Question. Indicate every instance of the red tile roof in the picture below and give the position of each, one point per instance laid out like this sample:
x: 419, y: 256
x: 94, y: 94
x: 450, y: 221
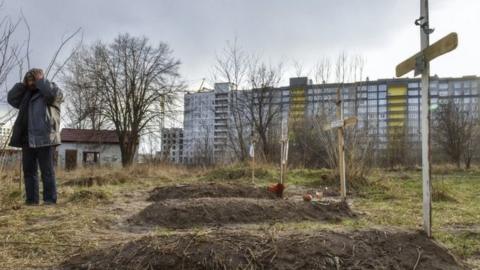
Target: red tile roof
x: 89, y: 136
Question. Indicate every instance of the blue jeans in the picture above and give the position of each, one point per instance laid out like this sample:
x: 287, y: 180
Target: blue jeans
x: 33, y: 158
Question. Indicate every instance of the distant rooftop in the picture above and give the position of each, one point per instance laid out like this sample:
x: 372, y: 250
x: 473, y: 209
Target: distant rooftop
x: 89, y: 136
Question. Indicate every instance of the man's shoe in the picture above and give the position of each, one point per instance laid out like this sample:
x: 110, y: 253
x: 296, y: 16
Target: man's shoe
x: 49, y: 203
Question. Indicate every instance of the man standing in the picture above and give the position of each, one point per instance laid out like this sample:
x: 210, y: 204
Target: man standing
x: 36, y: 131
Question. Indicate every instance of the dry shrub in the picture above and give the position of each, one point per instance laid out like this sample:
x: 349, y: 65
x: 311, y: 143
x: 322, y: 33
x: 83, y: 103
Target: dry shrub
x: 99, y: 176
x: 441, y: 193
x: 89, y: 195
x: 237, y: 172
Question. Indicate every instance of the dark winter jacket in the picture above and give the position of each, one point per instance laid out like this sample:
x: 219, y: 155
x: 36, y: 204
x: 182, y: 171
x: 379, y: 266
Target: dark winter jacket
x: 42, y: 111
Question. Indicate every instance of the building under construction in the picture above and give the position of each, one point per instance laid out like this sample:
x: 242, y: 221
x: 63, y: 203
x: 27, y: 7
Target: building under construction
x: 385, y: 108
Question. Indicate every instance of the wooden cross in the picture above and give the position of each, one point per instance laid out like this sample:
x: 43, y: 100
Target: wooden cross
x: 340, y: 124
x: 420, y: 63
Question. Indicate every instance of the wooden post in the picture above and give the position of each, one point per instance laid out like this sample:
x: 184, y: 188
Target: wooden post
x: 420, y: 62
x: 425, y: 122
x: 252, y: 155
x: 284, y: 152
x: 341, y: 147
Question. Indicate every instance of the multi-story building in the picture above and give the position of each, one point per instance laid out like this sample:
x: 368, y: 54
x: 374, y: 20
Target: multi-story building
x: 6, y: 121
x: 206, y: 118
x: 172, y: 145
x: 385, y: 108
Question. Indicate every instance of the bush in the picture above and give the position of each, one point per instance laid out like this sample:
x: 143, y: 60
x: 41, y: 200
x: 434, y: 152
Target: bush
x: 88, y: 195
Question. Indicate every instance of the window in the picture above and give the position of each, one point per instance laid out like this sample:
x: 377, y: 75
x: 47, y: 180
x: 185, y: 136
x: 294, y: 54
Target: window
x: 91, y: 158
x: 443, y: 86
x: 382, y: 87
x: 362, y: 95
x: 413, y: 92
x: 372, y: 88
x: 382, y: 95
x: 382, y: 102
x: 413, y: 101
x: 457, y: 85
x: 413, y: 85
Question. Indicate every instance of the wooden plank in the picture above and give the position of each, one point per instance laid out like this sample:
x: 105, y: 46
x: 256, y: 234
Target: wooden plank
x: 350, y: 121
x: 441, y: 47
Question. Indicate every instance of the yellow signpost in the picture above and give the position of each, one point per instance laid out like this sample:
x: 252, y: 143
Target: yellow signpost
x: 439, y: 48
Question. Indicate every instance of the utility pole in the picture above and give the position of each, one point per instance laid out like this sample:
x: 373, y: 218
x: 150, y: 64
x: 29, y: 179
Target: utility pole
x: 425, y: 32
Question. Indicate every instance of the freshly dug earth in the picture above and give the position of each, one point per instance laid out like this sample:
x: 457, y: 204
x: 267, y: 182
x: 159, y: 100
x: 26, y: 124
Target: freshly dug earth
x: 211, y: 190
x: 220, y: 211
x: 242, y: 250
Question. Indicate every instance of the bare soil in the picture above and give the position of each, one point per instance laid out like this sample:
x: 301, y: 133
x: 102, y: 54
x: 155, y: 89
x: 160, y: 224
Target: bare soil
x: 221, y: 211
x: 270, y: 250
x: 211, y: 190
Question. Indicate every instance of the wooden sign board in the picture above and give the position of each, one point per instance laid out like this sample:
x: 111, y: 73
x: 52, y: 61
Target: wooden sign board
x: 441, y: 47
x: 336, y: 124
x: 350, y: 121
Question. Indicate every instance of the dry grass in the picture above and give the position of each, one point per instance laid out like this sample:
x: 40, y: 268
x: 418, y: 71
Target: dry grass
x: 92, y: 216
x: 32, y: 237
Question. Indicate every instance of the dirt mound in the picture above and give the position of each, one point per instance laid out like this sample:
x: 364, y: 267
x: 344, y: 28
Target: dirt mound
x: 242, y: 250
x: 219, y: 211
x: 211, y: 190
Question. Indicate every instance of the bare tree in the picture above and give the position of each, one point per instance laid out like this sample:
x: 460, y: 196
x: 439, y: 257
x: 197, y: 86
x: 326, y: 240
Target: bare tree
x: 232, y: 66
x: 132, y: 79
x: 358, y: 145
x: 203, y: 146
x: 263, y: 106
x: 84, y: 104
x: 454, y: 132
x: 322, y: 71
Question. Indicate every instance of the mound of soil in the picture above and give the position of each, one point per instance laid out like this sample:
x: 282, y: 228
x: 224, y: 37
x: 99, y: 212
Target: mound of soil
x: 220, y: 211
x: 211, y: 190
x: 242, y: 250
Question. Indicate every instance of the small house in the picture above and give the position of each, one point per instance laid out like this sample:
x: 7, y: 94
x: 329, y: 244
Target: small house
x: 84, y: 147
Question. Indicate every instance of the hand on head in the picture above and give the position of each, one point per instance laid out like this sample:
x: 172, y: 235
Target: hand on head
x: 31, y: 76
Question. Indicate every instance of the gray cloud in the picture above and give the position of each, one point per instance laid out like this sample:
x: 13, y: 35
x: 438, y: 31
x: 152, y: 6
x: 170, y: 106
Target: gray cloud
x: 381, y: 30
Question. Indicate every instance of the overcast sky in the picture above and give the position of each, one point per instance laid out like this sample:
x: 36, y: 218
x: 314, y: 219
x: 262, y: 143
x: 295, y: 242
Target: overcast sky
x: 382, y: 31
